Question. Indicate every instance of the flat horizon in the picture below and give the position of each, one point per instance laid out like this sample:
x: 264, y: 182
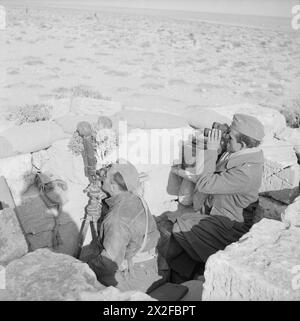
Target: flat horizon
x: 266, y: 8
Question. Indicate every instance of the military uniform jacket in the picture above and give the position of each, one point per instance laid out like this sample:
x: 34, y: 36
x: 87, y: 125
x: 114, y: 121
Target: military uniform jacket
x: 233, y: 182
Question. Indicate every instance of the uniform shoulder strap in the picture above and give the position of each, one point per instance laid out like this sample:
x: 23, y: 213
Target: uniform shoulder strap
x: 147, y: 223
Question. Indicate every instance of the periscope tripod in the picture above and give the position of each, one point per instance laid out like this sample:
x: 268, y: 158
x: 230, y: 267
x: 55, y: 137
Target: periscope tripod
x: 92, y: 212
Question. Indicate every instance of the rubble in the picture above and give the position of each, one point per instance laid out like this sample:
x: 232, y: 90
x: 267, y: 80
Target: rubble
x: 12, y: 242
x: 260, y: 266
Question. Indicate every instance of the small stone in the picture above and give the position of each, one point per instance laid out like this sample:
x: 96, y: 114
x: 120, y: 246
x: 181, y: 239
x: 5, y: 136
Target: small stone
x: 12, y: 241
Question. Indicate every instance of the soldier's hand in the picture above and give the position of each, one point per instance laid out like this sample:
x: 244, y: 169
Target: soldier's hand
x: 214, y: 139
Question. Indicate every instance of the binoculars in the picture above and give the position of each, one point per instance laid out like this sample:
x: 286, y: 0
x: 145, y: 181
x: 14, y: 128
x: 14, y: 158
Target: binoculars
x: 225, y: 129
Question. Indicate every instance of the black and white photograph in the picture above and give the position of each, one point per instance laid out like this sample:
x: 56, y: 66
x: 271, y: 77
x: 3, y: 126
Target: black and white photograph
x: 149, y: 151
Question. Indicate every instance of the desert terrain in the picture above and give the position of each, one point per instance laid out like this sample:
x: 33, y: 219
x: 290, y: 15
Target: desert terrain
x: 155, y: 62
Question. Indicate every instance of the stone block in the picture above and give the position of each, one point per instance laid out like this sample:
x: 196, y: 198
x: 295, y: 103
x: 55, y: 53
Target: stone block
x: 68, y: 122
x: 279, y: 151
x: 291, y: 216
x: 38, y: 221
x: 18, y: 173
x: 12, y: 241
x: 262, y: 265
x: 113, y: 294
x: 195, y: 290
x: 281, y: 170
x: 60, y: 161
x: 155, y: 190
x: 272, y: 120
x: 269, y: 208
x: 6, y: 198
x: 92, y: 106
x: 60, y: 107
x: 278, y: 179
x: 150, y: 120
x: 292, y: 136
x: 285, y: 196
x: 32, y: 137
x: 47, y: 276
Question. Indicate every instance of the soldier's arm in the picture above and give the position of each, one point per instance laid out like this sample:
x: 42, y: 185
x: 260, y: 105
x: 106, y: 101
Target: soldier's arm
x: 114, y: 242
x: 235, y: 180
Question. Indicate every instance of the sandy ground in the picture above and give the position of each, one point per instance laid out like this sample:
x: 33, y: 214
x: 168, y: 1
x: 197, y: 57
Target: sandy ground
x: 155, y: 62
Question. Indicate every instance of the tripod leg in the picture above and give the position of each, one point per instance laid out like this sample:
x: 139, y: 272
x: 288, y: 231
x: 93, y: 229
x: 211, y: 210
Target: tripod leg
x: 82, y: 234
x: 94, y: 233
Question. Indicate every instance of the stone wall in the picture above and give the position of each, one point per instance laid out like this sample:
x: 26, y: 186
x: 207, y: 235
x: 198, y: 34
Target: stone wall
x: 262, y: 265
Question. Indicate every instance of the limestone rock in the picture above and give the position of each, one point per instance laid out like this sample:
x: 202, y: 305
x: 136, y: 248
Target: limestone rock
x: 278, y: 179
x: 279, y: 151
x: 39, y: 159
x: 269, y: 208
x: 18, y: 172
x: 12, y: 241
x: 6, y: 148
x: 68, y: 234
x: 61, y: 162
x: 195, y: 290
x: 281, y: 170
x: 113, y: 294
x: 149, y: 120
x: 46, y: 276
x: 285, y: 196
x: 5, y: 194
x: 291, y: 135
x: 36, y: 220
x: 260, y: 266
x: 155, y: 191
x: 60, y: 107
x: 32, y: 137
x: 271, y: 119
x: 291, y: 216
x: 68, y: 122
x: 91, y: 106
x: 39, y: 221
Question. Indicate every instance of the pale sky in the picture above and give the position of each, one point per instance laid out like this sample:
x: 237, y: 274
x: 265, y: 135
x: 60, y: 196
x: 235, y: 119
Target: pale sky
x: 247, y: 7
